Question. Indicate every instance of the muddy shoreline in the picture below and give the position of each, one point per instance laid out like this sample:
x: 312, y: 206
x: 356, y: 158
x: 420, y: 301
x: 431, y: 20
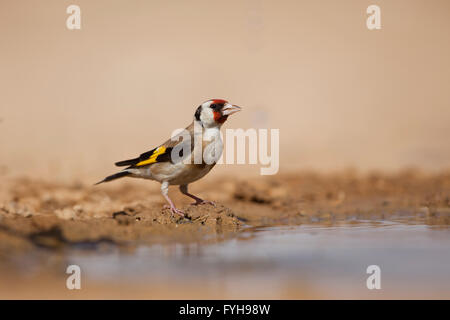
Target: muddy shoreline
x: 128, y: 246
x: 38, y: 213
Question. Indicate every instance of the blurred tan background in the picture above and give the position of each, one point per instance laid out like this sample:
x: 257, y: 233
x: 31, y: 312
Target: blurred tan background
x: 74, y: 102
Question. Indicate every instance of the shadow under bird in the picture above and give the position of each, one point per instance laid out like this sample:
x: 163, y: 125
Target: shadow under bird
x: 170, y: 164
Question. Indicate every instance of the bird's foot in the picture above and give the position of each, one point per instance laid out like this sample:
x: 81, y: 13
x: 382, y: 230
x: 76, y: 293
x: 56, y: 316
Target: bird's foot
x: 178, y: 211
x: 174, y: 210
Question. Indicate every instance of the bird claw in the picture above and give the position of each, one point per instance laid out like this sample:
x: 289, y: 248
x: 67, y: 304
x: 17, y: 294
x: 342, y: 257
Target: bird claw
x: 174, y: 210
x: 178, y: 211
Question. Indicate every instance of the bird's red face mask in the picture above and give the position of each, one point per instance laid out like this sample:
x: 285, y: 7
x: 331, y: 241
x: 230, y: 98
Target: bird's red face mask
x: 219, y: 118
x: 222, y: 109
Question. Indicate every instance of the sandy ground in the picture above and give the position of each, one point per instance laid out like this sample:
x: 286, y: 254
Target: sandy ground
x: 45, y: 214
x: 38, y: 214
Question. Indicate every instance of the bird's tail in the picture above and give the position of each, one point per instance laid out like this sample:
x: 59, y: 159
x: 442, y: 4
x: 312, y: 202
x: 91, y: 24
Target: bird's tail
x: 115, y: 176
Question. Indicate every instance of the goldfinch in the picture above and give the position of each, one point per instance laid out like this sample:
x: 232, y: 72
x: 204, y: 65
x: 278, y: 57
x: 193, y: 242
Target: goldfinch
x: 182, y: 162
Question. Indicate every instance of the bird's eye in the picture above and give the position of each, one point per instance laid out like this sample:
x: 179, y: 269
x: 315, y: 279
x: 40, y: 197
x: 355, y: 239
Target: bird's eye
x: 213, y: 106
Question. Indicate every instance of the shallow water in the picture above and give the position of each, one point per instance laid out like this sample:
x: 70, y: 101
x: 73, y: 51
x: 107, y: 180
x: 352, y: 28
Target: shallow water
x: 307, y: 261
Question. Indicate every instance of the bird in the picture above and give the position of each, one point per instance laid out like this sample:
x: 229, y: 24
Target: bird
x: 182, y: 162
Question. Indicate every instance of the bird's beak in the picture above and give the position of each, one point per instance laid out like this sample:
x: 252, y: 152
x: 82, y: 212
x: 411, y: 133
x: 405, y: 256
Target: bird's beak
x: 230, y: 109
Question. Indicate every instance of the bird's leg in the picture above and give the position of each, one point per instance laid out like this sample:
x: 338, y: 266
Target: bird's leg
x: 165, y: 193
x: 184, y: 190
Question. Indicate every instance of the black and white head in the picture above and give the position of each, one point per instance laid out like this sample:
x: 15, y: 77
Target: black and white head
x: 214, y: 112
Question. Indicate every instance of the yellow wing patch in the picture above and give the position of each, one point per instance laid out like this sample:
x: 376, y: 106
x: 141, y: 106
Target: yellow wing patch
x: 153, y: 157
